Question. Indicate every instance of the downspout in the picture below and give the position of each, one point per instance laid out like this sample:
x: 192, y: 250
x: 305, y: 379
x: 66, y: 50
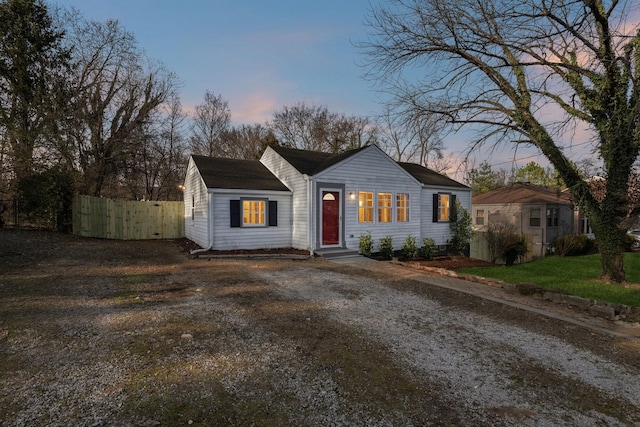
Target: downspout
x: 197, y: 251
x: 309, y: 181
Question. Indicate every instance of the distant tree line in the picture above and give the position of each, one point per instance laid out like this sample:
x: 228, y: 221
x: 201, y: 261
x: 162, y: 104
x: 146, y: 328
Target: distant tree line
x: 84, y: 110
x: 485, y: 178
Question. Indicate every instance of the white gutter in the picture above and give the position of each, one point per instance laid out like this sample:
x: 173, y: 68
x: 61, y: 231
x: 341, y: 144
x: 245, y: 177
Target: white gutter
x: 197, y: 251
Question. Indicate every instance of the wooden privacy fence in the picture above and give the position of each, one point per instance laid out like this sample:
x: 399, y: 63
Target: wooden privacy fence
x: 127, y: 219
x: 480, y: 248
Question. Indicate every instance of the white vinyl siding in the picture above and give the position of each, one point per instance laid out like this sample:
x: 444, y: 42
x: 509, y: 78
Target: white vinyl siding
x: 226, y: 237
x: 299, y: 215
x: 373, y: 171
x: 440, y: 231
x: 196, y: 197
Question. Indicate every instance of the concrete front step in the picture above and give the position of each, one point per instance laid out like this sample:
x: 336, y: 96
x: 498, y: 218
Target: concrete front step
x: 330, y: 253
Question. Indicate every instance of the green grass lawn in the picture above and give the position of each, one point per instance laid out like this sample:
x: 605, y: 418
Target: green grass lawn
x: 573, y: 275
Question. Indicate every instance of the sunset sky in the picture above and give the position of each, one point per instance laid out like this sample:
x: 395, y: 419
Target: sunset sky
x: 264, y: 55
x: 259, y: 55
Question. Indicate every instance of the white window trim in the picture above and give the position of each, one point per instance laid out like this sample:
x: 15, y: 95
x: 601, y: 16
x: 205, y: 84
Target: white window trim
x: 375, y: 208
x: 372, y: 208
x: 449, y: 195
x: 390, y: 207
x: 407, y: 208
x: 265, y: 216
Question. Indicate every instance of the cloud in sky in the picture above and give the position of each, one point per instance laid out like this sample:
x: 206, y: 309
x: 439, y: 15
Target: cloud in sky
x: 244, y: 50
x: 255, y: 107
x: 261, y: 56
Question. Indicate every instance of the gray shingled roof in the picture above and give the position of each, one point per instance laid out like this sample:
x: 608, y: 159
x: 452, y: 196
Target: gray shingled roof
x: 312, y: 162
x: 237, y: 174
x: 429, y: 177
x: 521, y: 193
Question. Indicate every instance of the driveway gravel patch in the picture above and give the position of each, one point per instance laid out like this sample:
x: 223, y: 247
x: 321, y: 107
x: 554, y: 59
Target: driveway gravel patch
x: 111, y: 333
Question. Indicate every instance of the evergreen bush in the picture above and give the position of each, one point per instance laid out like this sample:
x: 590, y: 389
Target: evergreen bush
x: 386, y: 247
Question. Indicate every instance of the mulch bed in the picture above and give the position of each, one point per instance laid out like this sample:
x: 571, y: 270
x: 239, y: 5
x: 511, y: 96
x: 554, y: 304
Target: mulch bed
x: 452, y: 262
x: 187, y: 246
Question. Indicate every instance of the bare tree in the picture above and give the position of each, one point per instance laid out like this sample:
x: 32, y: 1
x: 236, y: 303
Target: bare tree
x: 316, y: 128
x: 156, y: 169
x: 523, y: 73
x: 212, y: 119
x: 115, y: 91
x: 248, y: 142
x: 410, y: 138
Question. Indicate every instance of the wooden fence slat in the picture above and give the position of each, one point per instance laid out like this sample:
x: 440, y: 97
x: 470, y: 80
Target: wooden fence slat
x: 127, y: 219
x: 480, y: 247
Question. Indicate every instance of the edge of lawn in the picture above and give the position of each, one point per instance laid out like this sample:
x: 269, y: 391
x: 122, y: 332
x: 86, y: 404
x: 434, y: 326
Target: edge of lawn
x: 575, y: 275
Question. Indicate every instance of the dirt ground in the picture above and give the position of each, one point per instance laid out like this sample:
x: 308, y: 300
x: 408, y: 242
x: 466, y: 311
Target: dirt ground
x: 96, y: 333
x: 453, y: 262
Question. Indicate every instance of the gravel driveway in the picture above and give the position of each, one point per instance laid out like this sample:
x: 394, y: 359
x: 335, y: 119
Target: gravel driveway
x: 97, y: 333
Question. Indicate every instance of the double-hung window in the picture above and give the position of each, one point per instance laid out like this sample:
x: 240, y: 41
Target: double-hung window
x: 442, y: 203
x: 365, y: 206
x: 253, y: 213
x: 385, y: 207
x: 402, y: 207
x: 534, y: 217
x: 385, y: 203
x: 480, y: 217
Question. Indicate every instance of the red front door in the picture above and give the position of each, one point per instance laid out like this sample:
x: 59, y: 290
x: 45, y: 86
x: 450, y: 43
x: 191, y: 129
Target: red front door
x: 330, y: 218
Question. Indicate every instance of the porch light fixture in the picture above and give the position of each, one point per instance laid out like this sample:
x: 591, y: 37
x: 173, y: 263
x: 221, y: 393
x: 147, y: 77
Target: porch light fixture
x: 352, y: 195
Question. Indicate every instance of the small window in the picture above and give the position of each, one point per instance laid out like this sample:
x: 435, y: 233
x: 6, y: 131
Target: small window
x: 444, y: 206
x: 534, y: 218
x: 480, y: 217
x: 365, y: 206
x: 385, y: 207
x: 402, y: 207
x: 442, y: 203
x: 193, y: 207
x: 253, y: 213
x: 552, y: 217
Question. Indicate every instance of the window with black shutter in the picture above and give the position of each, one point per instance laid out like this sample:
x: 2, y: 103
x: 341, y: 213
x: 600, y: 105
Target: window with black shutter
x: 253, y: 213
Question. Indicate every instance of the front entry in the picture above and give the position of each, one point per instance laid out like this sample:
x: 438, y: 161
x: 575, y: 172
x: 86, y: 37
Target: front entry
x: 330, y: 218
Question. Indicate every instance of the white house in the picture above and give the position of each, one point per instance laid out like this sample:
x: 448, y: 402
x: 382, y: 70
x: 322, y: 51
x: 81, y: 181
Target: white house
x: 314, y: 201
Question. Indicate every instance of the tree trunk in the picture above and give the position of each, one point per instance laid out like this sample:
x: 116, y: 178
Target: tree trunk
x: 612, y: 264
x: 610, y: 239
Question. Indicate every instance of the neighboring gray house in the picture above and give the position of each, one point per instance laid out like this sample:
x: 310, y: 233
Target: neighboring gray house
x: 540, y: 212
x: 314, y: 201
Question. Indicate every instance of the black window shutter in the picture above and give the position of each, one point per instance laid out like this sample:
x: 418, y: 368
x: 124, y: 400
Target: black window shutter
x: 234, y: 212
x: 435, y: 207
x: 273, y: 213
x: 453, y: 200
